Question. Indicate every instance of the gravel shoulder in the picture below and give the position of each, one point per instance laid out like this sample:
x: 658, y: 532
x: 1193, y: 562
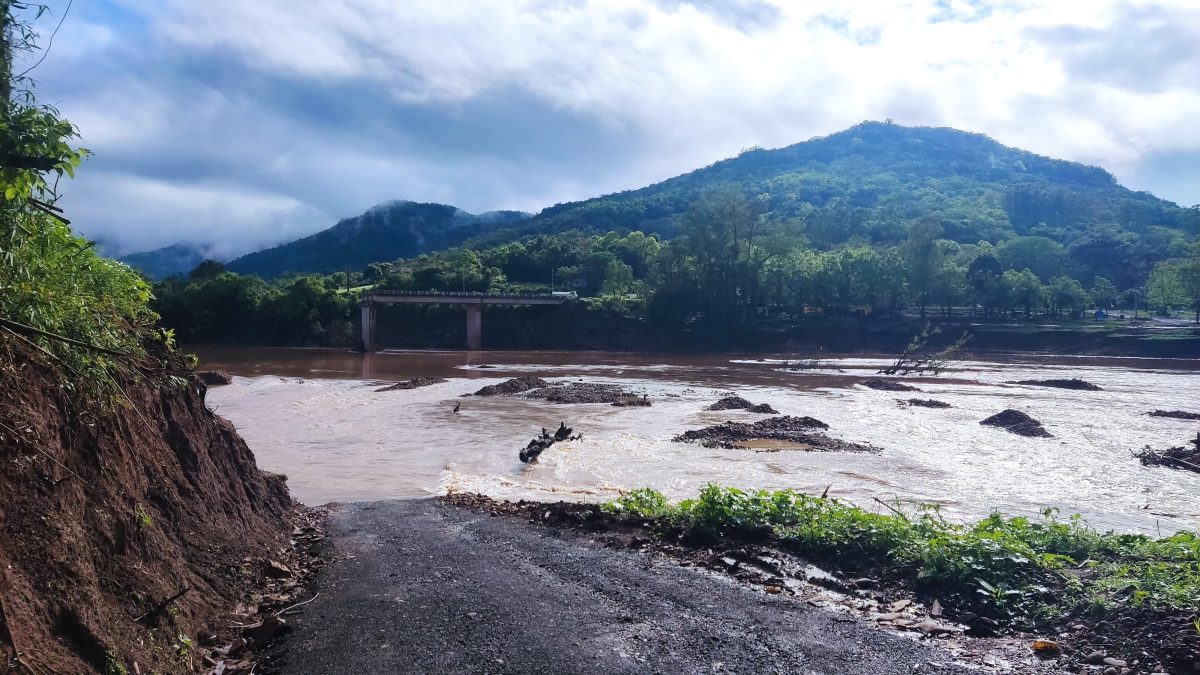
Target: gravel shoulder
x: 425, y: 586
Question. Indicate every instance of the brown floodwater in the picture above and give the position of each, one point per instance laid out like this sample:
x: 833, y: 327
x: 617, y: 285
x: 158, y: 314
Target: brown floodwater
x: 316, y: 416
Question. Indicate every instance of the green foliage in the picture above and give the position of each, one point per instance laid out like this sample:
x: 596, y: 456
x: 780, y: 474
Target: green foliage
x: 1008, y: 566
x: 51, y: 279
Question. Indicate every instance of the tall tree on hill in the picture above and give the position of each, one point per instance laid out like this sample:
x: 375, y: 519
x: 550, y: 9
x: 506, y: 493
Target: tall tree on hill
x: 923, y: 257
x: 1189, y: 281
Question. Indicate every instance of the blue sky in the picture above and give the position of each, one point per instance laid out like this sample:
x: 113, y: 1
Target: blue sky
x: 236, y: 125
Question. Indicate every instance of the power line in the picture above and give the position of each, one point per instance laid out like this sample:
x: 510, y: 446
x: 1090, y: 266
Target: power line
x: 50, y: 42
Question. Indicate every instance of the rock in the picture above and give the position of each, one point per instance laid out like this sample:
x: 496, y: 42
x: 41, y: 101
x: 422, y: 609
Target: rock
x: 1111, y: 671
x: 762, y: 408
x: 1017, y: 422
x: 967, y: 618
x: 901, y: 604
x: 414, y: 383
x: 1110, y: 661
x: 513, y: 386
x: 888, y: 385
x: 263, y: 633
x: 1043, y: 646
x: 1094, y: 658
x: 1073, y: 383
x: 929, y: 627
x: 935, y: 610
x: 214, y: 378
x: 276, y: 570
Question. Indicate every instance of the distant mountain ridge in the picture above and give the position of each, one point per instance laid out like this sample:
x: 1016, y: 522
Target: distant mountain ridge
x: 400, y: 229
x: 866, y: 184
x: 871, y: 180
x: 169, y: 261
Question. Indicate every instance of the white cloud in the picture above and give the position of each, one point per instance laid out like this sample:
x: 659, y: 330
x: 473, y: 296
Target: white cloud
x: 667, y: 85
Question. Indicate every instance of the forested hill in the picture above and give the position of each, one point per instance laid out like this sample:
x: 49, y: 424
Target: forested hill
x: 385, y: 232
x: 869, y: 183
x: 173, y: 260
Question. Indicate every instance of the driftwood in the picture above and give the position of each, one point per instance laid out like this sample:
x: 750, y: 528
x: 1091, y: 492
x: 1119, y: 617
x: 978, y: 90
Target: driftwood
x: 539, y: 445
x: 918, y: 359
x: 1176, y: 458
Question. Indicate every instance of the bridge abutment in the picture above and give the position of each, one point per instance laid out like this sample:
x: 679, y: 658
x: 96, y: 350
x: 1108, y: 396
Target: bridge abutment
x: 369, y: 313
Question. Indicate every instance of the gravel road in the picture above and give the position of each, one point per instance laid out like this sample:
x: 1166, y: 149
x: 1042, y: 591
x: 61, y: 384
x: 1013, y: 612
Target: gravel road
x: 425, y: 587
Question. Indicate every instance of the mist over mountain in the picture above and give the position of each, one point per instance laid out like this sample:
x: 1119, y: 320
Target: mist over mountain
x: 399, y: 229
x: 174, y: 260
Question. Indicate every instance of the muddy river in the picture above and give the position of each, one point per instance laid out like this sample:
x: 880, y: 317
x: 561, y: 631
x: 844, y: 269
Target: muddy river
x: 316, y: 416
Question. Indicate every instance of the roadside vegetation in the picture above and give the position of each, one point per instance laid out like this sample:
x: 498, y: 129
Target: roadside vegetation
x: 89, y: 314
x: 1018, y: 572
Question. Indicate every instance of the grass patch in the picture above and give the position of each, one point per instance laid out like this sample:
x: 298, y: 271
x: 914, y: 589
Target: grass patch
x: 1018, y: 570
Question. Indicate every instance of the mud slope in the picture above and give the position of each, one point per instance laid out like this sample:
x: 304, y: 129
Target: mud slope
x: 105, y: 515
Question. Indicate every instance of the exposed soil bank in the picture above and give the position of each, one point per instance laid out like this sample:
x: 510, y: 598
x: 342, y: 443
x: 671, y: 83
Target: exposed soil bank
x: 1176, y: 414
x: 1073, y: 383
x: 881, y: 384
x: 214, y: 378
x: 925, y: 403
x: 513, y: 386
x: 106, y: 515
x: 582, y: 392
x: 433, y: 587
x: 414, y: 383
x: 573, y: 327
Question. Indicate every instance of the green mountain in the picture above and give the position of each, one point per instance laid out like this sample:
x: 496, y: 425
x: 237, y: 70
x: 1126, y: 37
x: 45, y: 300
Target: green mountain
x: 388, y: 231
x: 870, y: 182
x: 169, y: 261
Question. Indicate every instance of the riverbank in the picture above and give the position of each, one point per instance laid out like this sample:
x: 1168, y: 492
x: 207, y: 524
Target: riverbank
x: 435, y: 587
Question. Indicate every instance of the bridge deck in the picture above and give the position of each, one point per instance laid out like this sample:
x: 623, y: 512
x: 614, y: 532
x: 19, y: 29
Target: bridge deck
x: 461, y: 298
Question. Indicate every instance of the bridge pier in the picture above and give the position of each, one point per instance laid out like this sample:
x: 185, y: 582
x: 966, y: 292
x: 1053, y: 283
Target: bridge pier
x: 474, y: 327
x: 368, y: 326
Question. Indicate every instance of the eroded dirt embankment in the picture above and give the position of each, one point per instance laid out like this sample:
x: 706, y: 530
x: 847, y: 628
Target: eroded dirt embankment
x: 105, y: 515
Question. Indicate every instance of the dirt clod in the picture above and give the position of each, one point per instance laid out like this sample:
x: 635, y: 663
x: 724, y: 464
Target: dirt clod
x: 214, y: 378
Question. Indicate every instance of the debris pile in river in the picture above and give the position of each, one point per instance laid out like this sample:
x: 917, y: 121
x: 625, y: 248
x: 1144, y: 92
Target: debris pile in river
x: 888, y: 385
x: 1176, y: 458
x: 1017, y: 422
x: 924, y: 403
x: 797, y: 432
x: 1073, y: 383
x: 739, y: 403
x: 633, y: 401
x: 214, y: 378
x: 581, y: 392
x: 414, y: 383
x: 1176, y: 414
x: 513, y: 386
x: 538, y: 445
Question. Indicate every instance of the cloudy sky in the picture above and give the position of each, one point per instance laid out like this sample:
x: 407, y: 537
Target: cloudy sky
x: 237, y: 124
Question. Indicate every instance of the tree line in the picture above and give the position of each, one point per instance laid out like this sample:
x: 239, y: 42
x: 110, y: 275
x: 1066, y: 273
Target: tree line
x: 727, y: 263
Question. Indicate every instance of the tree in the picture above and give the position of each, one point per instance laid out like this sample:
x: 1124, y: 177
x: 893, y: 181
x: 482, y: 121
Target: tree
x: 1046, y: 257
x: 1024, y: 289
x: 1067, y: 292
x: 1189, y: 281
x: 1104, y: 293
x: 618, y: 277
x: 1165, y: 287
x: 923, y: 258
x: 984, y: 280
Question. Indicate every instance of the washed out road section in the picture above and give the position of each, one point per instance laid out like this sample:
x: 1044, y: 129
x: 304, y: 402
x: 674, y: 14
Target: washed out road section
x: 423, y: 586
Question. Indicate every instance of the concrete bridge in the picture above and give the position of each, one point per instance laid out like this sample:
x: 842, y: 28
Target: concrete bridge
x: 474, y: 303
